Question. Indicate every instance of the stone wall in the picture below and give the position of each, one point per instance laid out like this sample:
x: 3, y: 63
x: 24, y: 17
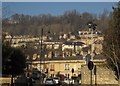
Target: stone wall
x: 103, y: 75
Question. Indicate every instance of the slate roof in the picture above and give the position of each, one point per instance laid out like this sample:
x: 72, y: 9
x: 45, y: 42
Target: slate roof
x: 79, y: 57
x: 74, y: 43
x: 99, y: 56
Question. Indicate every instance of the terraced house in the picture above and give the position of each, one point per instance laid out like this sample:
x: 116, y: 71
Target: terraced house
x: 60, y: 56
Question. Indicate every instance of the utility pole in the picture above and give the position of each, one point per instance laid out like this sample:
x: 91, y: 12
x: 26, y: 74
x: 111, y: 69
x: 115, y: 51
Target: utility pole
x: 41, y: 44
x: 41, y: 54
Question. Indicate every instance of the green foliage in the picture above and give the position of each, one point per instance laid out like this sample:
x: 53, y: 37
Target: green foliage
x: 13, y: 60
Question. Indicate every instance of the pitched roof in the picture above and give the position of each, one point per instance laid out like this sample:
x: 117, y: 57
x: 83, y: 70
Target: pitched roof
x: 99, y: 56
x: 74, y: 43
x: 78, y: 57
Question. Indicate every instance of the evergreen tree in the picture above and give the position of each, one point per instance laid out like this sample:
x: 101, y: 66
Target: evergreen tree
x: 13, y: 61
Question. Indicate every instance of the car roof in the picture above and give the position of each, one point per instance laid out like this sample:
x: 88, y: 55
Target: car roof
x: 55, y: 78
x: 49, y: 79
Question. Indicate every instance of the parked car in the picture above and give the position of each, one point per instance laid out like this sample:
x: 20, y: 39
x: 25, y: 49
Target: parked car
x: 71, y: 81
x: 48, y: 81
x: 68, y: 81
x: 56, y: 80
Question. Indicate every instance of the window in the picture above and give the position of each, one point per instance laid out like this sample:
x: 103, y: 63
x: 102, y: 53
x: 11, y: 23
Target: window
x: 52, y: 75
x: 66, y: 66
x: 51, y: 67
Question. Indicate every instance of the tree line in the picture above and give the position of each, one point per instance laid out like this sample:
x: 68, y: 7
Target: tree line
x: 109, y: 23
x: 70, y: 21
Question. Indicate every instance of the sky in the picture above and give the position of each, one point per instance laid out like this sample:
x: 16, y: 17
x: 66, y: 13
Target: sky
x: 56, y: 8
x: 59, y: 0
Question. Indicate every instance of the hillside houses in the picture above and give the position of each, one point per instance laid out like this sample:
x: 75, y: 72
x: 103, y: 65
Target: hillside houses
x: 69, y: 49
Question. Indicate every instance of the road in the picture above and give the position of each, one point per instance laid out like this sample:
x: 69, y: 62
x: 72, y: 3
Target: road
x: 76, y: 85
x: 55, y: 85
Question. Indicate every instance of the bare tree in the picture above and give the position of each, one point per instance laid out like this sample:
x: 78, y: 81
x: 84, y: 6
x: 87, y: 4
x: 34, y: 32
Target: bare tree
x: 112, y: 42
